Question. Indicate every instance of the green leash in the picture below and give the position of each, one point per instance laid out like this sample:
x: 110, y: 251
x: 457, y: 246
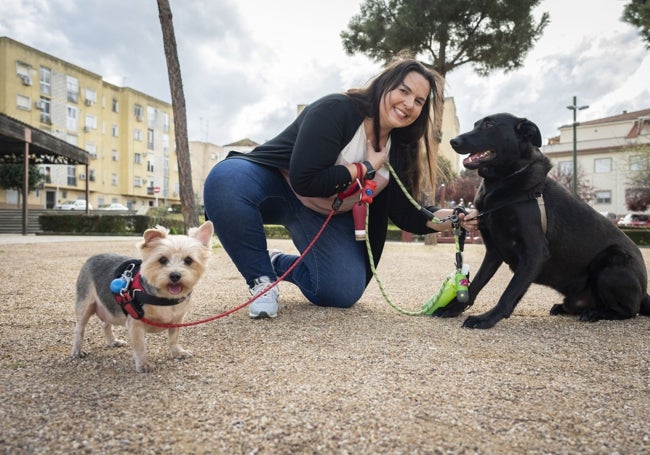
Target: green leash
x: 454, y: 286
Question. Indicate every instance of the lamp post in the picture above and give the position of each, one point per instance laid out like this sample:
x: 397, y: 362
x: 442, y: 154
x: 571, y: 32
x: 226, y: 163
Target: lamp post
x: 575, y: 108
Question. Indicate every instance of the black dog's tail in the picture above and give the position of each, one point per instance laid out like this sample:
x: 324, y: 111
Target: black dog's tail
x: 645, y: 305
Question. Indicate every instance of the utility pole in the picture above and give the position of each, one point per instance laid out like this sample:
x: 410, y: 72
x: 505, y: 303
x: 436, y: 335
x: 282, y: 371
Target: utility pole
x: 575, y: 109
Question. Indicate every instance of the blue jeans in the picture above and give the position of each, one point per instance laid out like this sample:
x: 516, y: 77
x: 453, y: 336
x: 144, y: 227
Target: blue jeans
x: 241, y: 196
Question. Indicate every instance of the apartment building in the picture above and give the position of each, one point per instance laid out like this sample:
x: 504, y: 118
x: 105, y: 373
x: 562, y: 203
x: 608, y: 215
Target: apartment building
x: 609, y: 151
x: 129, y: 135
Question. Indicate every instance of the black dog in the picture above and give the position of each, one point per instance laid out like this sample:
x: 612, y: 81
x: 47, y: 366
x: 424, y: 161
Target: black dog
x: 543, y: 233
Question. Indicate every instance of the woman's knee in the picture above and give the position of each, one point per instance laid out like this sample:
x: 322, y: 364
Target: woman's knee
x: 338, y: 296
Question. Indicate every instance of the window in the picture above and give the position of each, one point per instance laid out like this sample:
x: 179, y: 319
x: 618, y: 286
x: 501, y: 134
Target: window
x: 114, y: 179
x: 165, y: 143
x: 138, y: 112
x: 44, y: 107
x: 151, y: 116
x: 71, y: 118
x: 23, y: 69
x: 115, y: 156
x: 165, y: 122
x: 137, y: 158
x: 603, y: 165
x: 149, y: 166
x: 565, y: 167
x: 91, y: 148
x: 603, y: 197
x: 638, y: 163
x: 91, y: 175
x: 91, y: 122
x: 72, y: 88
x: 72, y: 176
x: 46, y: 81
x: 137, y: 134
x: 150, y: 139
x: 115, y: 106
x: 91, y: 97
x: 115, y: 131
x: 137, y: 181
x: 23, y: 102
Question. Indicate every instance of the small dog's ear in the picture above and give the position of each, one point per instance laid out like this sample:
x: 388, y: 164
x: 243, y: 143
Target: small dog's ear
x: 154, y: 233
x: 529, y: 131
x: 203, y: 233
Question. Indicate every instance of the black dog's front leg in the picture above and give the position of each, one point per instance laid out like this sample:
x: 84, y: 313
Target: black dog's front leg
x: 489, y: 266
x: 523, y: 277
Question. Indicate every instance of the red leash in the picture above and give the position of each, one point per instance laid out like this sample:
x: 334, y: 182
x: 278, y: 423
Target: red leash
x: 237, y: 308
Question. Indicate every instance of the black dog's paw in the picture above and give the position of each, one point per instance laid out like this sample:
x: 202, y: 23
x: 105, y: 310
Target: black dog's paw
x: 454, y: 309
x: 479, y: 322
x: 558, y: 309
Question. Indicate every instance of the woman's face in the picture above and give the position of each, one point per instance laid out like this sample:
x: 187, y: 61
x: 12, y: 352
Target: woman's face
x: 402, y: 106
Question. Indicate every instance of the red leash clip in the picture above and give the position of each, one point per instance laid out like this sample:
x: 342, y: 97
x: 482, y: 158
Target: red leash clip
x: 368, y: 191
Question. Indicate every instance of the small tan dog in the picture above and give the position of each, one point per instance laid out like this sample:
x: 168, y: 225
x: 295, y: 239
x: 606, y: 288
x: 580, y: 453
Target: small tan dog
x: 121, y: 290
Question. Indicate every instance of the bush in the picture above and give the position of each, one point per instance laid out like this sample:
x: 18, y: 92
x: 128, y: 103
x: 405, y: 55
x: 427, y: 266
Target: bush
x: 106, y: 224
x: 639, y: 236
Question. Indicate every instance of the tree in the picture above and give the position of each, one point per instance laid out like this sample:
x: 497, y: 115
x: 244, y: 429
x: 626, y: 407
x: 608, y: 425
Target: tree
x: 490, y: 34
x: 637, y: 194
x: 637, y: 13
x: 11, y: 177
x: 188, y: 204
x: 585, y: 191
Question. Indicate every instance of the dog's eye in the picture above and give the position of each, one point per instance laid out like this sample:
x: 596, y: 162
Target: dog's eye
x: 488, y: 124
x: 188, y: 260
x: 163, y: 260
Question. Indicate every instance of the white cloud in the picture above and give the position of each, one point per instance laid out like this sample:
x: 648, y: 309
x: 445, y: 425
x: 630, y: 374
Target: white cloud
x: 246, y: 65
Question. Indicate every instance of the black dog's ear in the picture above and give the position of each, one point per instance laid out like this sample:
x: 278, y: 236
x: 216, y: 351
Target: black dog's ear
x: 529, y: 131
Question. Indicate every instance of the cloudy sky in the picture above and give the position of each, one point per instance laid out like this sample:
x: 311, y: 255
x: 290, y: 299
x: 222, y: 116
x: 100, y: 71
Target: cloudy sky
x: 247, y: 64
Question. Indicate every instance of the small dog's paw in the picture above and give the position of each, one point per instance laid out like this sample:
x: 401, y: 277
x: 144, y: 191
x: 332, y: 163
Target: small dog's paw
x: 117, y: 343
x: 144, y: 367
x: 78, y: 354
x: 181, y: 353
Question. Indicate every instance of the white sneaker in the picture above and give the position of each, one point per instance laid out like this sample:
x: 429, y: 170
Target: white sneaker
x: 266, y: 305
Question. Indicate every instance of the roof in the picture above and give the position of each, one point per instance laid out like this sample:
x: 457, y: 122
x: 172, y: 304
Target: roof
x: 625, y: 116
x: 43, y: 147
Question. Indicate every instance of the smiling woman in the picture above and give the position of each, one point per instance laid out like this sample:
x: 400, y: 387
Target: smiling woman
x: 304, y: 175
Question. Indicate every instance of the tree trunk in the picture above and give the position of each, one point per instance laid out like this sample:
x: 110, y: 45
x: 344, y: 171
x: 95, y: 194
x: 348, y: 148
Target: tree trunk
x: 188, y: 203
x: 435, y: 137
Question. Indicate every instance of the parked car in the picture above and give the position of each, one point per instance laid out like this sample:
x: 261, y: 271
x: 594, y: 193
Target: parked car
x: 610, y: 216
x: 641, y: 220
x: 114, y: 206
x: 79, y: 204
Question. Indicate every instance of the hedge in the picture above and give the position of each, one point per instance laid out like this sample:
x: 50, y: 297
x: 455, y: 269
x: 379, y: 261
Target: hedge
x: 106, y: 224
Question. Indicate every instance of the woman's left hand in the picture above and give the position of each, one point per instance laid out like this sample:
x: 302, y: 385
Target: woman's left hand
x: 469, y: 222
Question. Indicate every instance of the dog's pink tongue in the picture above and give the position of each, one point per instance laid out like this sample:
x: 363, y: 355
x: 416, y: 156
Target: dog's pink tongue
x: 175, y: 288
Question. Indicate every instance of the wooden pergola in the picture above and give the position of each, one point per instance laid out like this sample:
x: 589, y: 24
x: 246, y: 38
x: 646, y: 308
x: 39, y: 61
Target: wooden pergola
x: 21, y: 143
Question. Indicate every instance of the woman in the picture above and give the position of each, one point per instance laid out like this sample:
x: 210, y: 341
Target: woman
x: 294, y: 178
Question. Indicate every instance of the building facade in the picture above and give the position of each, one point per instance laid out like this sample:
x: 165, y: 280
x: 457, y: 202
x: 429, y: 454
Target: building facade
x: 609, y: 151
x: 129, y: 135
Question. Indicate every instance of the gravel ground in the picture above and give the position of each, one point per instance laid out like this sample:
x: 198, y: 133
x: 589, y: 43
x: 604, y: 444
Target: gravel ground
x: 314, y: 380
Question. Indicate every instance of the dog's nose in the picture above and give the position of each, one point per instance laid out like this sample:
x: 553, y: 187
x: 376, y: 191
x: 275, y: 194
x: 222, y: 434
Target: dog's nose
x: 174, y: 277
x: 454, y: 142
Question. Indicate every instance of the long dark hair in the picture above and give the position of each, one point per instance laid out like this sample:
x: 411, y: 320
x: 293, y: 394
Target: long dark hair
x: 408, y: 138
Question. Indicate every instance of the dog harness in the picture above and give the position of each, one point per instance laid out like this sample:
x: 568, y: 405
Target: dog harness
x: 538, y: 196
x: 130, y: 294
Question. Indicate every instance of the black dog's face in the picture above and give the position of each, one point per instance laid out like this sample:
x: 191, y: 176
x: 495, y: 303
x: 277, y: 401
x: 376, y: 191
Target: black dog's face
x: 497, y: 141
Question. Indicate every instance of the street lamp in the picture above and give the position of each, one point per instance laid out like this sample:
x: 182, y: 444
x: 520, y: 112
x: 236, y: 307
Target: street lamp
x: 575, y: 109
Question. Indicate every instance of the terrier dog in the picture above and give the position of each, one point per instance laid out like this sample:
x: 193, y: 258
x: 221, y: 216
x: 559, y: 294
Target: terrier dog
x: 121, y: 290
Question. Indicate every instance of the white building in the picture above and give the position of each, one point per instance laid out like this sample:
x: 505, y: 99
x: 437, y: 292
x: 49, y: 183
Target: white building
x: 609, y: 150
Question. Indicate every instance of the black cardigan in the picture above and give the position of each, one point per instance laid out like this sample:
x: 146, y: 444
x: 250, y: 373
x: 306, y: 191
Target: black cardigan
x: 309, y: 148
